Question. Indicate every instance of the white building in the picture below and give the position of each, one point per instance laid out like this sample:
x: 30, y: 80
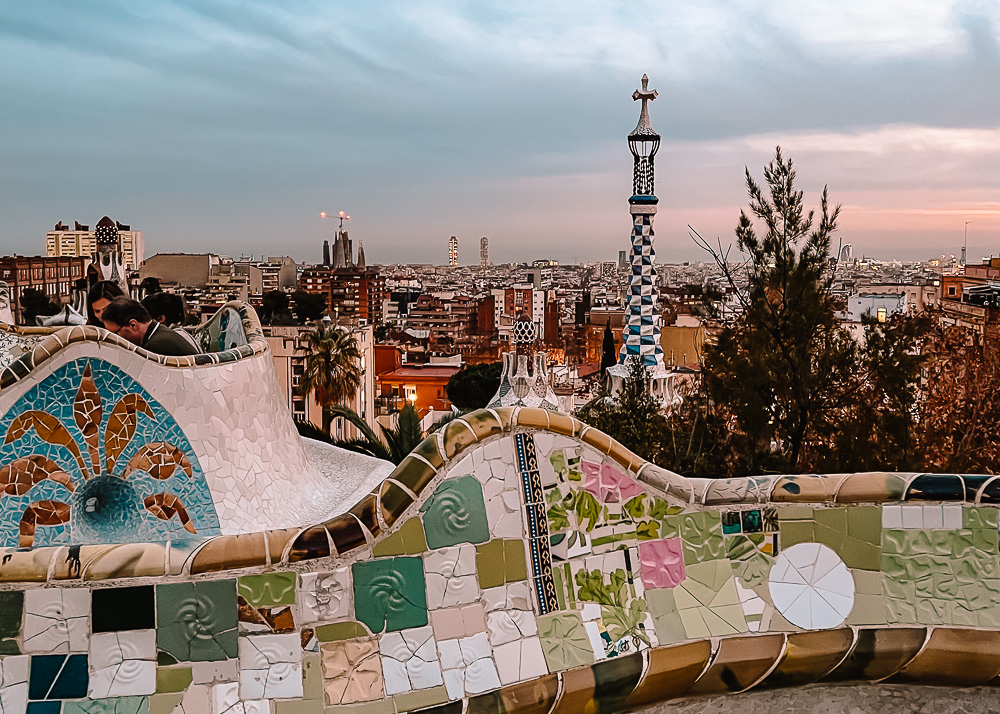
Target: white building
x: 61, y: 241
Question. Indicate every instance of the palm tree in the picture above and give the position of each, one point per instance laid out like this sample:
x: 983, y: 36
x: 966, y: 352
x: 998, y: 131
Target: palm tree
x: 394, y: 445
x: 332, y: 370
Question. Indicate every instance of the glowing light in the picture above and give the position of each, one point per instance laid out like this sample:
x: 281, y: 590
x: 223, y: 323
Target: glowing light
x: 341, y: 214
x: 323, y: 214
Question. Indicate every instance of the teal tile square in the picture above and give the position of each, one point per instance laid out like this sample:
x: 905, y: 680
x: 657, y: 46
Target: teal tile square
x: 456, y: 513
x: 196, y: 622
x: 389, y: 594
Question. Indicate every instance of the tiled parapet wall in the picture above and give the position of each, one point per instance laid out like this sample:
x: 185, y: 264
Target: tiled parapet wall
x: 102, y: 442
x: 520, y: 562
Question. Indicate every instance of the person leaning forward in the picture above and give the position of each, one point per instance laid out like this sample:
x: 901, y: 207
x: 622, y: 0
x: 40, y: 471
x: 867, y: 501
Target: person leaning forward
x: 127, y: 318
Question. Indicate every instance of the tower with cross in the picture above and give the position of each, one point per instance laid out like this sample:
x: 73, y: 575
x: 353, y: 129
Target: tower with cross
x: 641, y: 334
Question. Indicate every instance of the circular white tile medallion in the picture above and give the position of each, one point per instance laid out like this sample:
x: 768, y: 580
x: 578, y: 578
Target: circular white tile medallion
x: 811, y: 587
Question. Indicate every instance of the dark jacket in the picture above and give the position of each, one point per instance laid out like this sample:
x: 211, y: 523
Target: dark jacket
x: 164, y: 341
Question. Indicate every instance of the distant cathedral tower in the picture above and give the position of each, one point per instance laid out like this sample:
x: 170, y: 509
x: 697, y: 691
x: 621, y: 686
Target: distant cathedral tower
x: 453, y: 251
x: 484, y: 252
x: 641, y: 335
x: 108, y: 258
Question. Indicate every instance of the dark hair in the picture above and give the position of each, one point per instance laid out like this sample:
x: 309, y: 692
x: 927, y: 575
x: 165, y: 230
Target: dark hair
x: 169, y: 305
x: 123, y: 310
x: 104, y: 290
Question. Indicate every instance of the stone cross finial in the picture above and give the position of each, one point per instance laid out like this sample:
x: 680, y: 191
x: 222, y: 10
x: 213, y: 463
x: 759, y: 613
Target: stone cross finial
x: 646, y: 95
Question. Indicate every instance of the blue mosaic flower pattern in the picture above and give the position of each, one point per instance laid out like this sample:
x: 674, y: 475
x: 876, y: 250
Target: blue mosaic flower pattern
x: 88, y: 456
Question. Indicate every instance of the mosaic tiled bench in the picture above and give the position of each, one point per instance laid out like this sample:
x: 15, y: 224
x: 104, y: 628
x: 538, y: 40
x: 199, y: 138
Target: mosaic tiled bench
x: 516, y: 561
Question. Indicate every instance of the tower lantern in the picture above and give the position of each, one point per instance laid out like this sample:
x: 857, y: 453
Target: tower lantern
x: 643, y: 142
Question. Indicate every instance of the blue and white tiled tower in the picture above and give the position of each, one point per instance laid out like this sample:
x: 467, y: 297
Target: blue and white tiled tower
x: 641, y: 335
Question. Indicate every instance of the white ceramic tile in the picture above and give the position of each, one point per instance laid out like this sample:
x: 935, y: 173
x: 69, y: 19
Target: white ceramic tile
x: 14, y: 684
x: 270, y: 666
x: 450, y: 575
x: 913, y: 516
x: 892, y: 517
x: 509, y: 625
x: 933, y: 516
x: 197, y: 699
x: 56, y: 620
x: 226, y: 700
x: 468, y: 665
x: 413, y: 653
x: 823, y: 593
x: 122, y: 664
x: 952, y: 516
x: 211, y: 672
x: 326, y: 596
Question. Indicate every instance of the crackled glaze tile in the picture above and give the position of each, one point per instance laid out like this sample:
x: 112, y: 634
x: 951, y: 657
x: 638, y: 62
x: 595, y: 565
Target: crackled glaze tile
x: 508, y: 625
x: 11, y: 617
x: 352, y: 671
x: 390, y: 594
x: 226, y: 700
x: 56, y: 620
x: 450, y: 574
x: 13, y: 684
x: 326, y: 596
x: 122, y: 664
x: 197, y: 621
x: 271, y: 666
x: 468, y: 666
x: 456, y: 513
x: 565, y: 642
x: 811, y: 587
x: 520, y: 660
x: 409, y: 660
x: 456, y: 622
x: 707, y: 601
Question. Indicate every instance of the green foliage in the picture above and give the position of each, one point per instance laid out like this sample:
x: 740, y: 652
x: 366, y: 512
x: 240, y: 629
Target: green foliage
x: 608, y: 356
x: 474, y: 385
x: 311, y: 431
x: 275, y: 308
x: 332, y: 369
x: 394, y: 445
x: 621, y: 616
x: 308, y: 306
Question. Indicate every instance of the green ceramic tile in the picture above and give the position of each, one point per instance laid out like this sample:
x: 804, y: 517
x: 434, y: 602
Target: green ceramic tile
x: 340, y: 631
x: 794, y: 532
x: 300, y: 706
x: 865, y: 523
x: 118, y: 705
x: 565, y: 643
x: 11, y: 613
x: 408, y: 540
x: 557, y: 576
x: 977, y: 517
x: 164, y: 703
x: 420, y: 699
x: 666, y: 620
x: 268, y: 589
x: 515, y: 565
x: 312, y: 677
x: 794, y: 513
x: 389, y: 594
x: 456, y: 513
x: 172, y: 679
x: 835, y: 518
x: 196, y: 622
x: 490, y: 564
x: 700, y: 533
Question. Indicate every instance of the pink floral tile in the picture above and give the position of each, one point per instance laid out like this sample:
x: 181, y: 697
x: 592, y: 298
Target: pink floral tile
x: 662, y: 562
x: 608, y: 483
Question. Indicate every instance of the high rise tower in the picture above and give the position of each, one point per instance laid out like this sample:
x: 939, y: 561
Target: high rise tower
x: 452, y: 251
x: 108, y: 256
x: 641, y: 335
x: 484, y: 252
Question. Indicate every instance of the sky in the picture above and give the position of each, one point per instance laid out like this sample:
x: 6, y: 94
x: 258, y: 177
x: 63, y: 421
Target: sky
x: 229, y: 126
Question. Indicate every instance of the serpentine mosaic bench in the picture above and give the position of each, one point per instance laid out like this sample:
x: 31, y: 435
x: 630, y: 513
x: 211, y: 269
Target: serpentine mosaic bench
x: 171, y: 545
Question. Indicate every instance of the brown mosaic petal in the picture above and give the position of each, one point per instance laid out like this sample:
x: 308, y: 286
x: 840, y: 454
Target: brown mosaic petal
x: 49, y: 430
x: 87, y: 414
x: 159, y: 459
x: 17, y: 477
x: 121, y: 426
x: 809, y: 656
x: 165, y: 506
x: 42, y: 513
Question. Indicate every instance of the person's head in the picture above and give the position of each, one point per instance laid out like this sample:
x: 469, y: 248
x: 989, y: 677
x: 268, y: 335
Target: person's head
x: 167, y: 308
x: 126, y: 318
x: 98, y: 298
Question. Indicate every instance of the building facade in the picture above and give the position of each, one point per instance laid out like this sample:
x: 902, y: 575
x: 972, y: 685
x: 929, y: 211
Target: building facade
x: 453, y: 251
x: 52, y: 276
x: 81, y: 242
x: 351, y: 293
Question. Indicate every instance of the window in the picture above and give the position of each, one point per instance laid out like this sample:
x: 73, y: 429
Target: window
x: 881, y: 314
x: 951, y: 289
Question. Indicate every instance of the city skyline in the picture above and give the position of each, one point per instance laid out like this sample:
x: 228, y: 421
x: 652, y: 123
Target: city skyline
x: 229, y: 130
